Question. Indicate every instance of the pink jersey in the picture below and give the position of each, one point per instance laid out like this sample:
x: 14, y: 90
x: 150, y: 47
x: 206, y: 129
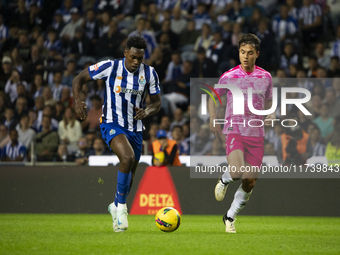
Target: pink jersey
x: 261, y: 82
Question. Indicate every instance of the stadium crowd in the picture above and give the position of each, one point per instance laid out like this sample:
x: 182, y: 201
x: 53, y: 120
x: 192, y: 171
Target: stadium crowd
x: 45, y: 44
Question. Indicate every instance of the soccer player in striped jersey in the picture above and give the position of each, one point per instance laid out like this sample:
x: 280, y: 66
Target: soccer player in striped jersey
x: 244, y: 143
x: 127, y: 81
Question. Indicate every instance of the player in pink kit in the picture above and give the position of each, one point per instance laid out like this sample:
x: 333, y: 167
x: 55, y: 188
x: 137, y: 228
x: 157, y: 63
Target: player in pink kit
x: 244, y: 143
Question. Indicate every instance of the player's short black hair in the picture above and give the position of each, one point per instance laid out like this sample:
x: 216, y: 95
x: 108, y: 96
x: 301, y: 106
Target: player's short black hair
x: 137, y: 42
x: 250, y: 39
x: 335, y: 58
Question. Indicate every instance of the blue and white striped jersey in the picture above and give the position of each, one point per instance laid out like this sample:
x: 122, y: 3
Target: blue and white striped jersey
x: 124, y: 91
x: 310, y: 13
x: 14, y: 152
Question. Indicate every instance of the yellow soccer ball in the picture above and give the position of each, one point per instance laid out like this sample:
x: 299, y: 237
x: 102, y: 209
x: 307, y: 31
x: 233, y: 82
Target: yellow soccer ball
x: 159, y: 156
x: 168, y: 219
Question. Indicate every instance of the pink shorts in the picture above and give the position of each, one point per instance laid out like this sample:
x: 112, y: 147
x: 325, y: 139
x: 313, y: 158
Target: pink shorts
x: 252, y: 147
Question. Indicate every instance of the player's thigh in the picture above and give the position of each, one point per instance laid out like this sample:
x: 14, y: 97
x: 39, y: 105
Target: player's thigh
x: 236, y: 161
x: 121, y: 147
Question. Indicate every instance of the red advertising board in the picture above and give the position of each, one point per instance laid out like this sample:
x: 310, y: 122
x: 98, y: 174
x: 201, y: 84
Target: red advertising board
x: 155, y: 191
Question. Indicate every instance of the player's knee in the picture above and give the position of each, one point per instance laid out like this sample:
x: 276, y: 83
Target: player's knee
x: 128, y: 161
x: 248, y: 184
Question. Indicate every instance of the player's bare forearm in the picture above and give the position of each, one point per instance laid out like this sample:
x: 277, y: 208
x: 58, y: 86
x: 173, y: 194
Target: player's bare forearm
x: 211, y: 109
x: 78, y: 82
x: 77, y: 85
x: 152, y: 108
x: 269, y: 119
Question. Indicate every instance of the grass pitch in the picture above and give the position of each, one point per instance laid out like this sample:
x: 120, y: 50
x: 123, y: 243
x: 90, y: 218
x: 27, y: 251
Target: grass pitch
x: 93, y: 234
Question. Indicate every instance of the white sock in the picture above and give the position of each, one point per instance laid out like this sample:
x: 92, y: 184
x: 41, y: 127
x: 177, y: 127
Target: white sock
x: 240, y: 199
x: 121, y: 206
x: 113, y: 207
x: 226, y: 177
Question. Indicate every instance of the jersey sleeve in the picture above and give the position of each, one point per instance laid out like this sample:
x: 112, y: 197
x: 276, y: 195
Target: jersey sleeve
x: 101, y: 70
x: 269, y: 92
x: 154, y: 88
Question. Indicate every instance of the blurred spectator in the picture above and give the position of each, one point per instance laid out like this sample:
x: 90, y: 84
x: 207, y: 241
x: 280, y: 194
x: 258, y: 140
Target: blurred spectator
x: 310, y: 22
x: 69, y: 73
x: 33, y: 116
x: 217, y: 50
x: 200, y: 142
x: 147, y: 35
x: 57, y: 86
x: 165, y: 125
x: 52, y: 40
x: 46, y: 141
x: 37, y: 86
x: 292, y: 10
x: 20, y: 108
x: 289, y: 57
x: 304, y: 120
x: 302, y: 81
x: 317, y: 148
x: 266, y: 46
x: 14, y: 150
x: 90, y: 136
x: 158, y: 61
x: 91, y: 25
x: 18, y: 64
x: 66, y: 11
x: 284, y: 26
x: 332, y: 150
x: 182, y: 144
x: 335, y: 50
x: 188, y: 37
x: 248, y: 9
x: 26, y: 134
x: 21, y: 91
x: 59, y: 111
x: 203, y: 67
x: 179, y: 120
x: 312, y: 66
x: 98, y: 149
x: 48, y: 96
x: 333, y: 103
x: 256, y: 17
x: 104, y: 23
x: 3, y: 32
x: 205, y: 39
x: 68, y: 31
x: 36, y: 62
x: 66, y: 98
x: 92, y: 120
x: 63, y: 154
x: 9, y: 121
x: 324, y: 122
x: 80, y: 44
x: 4, y: 137
x: 334, y: 69
x: 180, y: 94
x: 82, y: 151
x: 323, y: 59
x: 110, y: 41
x: 6, y: 73
x: 69, y: 130
x: 201, y: 17
x: 178, y: 23
x: 152, y: 136
x: 11, y: 85
x: 24, y: 46
x: 174, y: 68
x: 168, y: 146
x: 48, y: 112
x: 316, y: 105
x: 292, y: 147
x: 166, y: 29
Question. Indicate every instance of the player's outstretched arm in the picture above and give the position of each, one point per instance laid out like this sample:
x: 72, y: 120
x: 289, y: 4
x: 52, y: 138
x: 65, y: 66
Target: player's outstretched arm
x: 215, y: 129
x: 152, y: 109
x: 77, y: 85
